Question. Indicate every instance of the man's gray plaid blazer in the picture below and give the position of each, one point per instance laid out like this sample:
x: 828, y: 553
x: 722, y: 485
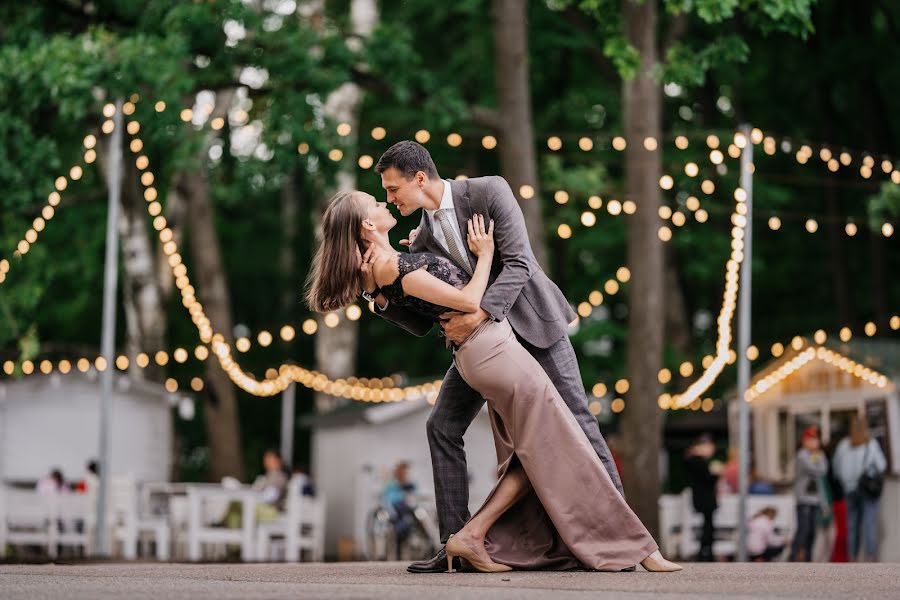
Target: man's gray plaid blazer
x: 538, y: 312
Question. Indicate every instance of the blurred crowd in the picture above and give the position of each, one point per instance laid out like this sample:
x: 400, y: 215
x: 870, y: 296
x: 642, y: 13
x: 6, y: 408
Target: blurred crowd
x: 837, y: 495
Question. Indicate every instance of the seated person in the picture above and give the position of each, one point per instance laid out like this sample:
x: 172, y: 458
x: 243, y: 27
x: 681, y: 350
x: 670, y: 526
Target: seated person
x: 396, y: 499
x: 763, y: 544
x: 272, y: 488
x: 52, y: 483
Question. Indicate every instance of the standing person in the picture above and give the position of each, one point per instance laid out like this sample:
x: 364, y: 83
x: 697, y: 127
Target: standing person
x: 702, y: 481
x: 763, y: 543
x: 554, y: 506
x: 519, y: 294
x: 810, y: 468
x: 860, y: 464
x: 838, y: 510
x: 728, y: 482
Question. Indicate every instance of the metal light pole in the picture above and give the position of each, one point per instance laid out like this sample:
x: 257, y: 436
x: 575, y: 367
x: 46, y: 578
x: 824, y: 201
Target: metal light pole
x: 108, y: 335
x: 287, y: 424
x: 743, y: 344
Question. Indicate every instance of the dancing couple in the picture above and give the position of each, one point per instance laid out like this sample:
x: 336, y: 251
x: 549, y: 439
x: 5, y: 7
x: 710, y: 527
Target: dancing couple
x: 558, y: 502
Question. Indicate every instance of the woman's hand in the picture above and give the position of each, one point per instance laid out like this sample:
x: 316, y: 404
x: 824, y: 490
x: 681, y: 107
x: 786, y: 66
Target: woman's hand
x: 365, y: 268
x: 412, y: 237
x: 481, y: 240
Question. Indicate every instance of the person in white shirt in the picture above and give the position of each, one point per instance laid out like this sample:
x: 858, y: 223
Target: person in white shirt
x: 52, y: 483
x: 763, y: 543
x: 856, y: 455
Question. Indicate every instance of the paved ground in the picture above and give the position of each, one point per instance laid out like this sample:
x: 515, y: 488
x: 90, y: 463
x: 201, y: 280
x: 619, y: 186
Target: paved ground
x: 341, y: 581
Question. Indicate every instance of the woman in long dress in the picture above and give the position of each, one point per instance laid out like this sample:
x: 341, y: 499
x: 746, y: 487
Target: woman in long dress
x: 554, y: 505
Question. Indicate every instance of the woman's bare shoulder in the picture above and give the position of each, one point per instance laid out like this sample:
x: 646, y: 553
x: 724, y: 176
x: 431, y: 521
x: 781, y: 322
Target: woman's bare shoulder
x: 386, y: 269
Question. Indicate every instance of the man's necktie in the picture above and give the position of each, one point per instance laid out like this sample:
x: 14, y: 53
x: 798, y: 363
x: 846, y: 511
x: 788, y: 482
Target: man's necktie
x: 456, y: 252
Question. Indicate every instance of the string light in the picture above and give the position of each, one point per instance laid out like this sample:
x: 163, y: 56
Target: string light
x: 726, y: 313
x: 767, y: 381
x: 221, y: 347
x: 201, y: 352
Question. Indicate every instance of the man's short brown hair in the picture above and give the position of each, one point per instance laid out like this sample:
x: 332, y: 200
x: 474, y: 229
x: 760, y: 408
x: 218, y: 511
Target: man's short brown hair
x: 409, y: 158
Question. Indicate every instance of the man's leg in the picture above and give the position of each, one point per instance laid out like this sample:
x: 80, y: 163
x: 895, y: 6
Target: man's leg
x: 707, y: 535
x: 561, y: 366
x: 456, y: 407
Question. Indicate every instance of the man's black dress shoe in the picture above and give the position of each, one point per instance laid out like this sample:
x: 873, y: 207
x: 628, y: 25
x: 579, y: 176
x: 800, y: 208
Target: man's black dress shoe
x: 435, y: 564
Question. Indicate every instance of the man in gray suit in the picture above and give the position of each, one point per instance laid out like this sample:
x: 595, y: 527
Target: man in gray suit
x: 519, y: 291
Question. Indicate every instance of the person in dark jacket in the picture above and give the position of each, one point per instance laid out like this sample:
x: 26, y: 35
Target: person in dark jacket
x: 702, y: 481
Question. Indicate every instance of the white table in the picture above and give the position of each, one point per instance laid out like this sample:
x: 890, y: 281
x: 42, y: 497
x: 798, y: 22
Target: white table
x: 199, y: 532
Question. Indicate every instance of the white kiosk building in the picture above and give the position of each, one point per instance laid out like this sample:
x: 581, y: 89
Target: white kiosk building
x: 825, y: 385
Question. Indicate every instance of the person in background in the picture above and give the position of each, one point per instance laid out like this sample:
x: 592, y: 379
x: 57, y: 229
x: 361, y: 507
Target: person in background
x: 856, y: 456
x: 702, y: 477
x: 838, y: 511
x: 810, y: 468
x: 396, y: 498
x: 306, y: 486
x: 759, y: 486
x: 729, y: 481
x: 52, y: 483
x: 272, y: 485
x: 91, y: 481
x: 763, y: 543
x: 272, y: 489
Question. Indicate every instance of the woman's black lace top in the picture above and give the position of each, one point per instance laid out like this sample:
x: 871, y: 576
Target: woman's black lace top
x: 440, y: 267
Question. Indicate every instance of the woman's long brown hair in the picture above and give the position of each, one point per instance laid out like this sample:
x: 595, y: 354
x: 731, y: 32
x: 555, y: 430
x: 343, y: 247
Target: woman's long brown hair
x: 334, y: 280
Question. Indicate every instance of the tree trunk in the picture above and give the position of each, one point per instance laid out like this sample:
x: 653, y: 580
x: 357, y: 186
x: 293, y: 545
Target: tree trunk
x: 336, y: 346
x: 876, y: 119
x: 678, y: 320
x: 145, y: 309
x: 641, y: 420
x: 836, y: 241
x: 518, y: 161
x: 290, y: 210
x: 220, y: 401
x: 839, y: 276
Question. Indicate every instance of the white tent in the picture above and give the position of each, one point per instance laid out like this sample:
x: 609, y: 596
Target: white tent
x: 49, y: 421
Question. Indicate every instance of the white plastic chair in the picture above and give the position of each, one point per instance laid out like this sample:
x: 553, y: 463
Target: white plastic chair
x: 301, y: 527
x: 130, y: 526
x: 28, y: 518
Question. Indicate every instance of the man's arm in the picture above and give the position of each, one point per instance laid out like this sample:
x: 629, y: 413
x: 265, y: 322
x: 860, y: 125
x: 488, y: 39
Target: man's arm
x: 417, y: 324
x: 413, y: 322
x: 511, y: 240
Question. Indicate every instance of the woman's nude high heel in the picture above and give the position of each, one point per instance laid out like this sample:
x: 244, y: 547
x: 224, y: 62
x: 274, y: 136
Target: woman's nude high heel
x: 655, y: 563
x: 457, y: 548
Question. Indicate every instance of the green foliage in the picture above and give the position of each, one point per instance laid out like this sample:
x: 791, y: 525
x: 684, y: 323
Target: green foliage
x: 623, y: 55
x: 884, y: 206
x: 688, y: 66
x: 426, y: 66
